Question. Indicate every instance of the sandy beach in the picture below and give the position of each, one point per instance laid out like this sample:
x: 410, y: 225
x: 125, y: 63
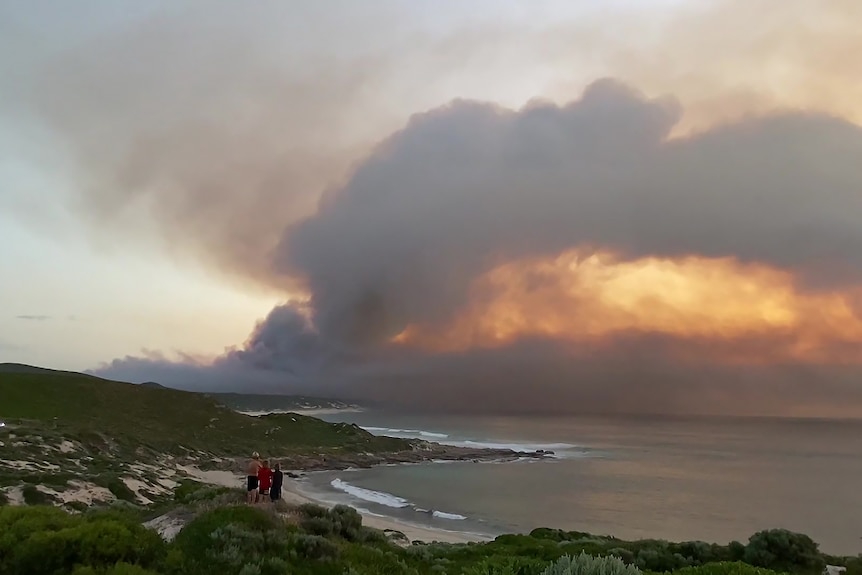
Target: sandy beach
x: 292, y: 493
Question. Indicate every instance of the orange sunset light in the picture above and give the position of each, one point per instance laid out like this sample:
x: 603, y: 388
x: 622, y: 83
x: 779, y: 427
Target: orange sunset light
x: 576, y: 298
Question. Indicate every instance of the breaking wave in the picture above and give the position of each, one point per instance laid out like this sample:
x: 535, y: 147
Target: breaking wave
x: 386, y: 499
x: 378, y: 497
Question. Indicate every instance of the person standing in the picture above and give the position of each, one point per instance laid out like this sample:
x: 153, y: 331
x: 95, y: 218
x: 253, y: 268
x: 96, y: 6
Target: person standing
x: 252, y: 471
x: 264, y: 474
x: 277, y: 482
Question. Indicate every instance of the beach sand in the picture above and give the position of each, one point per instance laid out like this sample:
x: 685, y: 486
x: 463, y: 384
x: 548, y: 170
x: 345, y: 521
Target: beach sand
x: 292, y: 494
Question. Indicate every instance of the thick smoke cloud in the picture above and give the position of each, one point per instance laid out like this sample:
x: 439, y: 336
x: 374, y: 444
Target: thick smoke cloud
x: 251, y: 139
x: 468, y: 186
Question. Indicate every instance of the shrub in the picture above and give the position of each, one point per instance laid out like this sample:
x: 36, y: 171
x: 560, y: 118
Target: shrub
x: 190, y: 491
x: 77, y: 506
x: 627, y: 556
x: 313, y: 547
x: 368, y: 535
x: 229, y: 540
x: 724, y: 568
x: 313, y: 510
x: 196, y: 537
x: 42, y: 540
x: 585, y: 564
x: 120, y: 490
x: 127, y: 569
x: 506, y: 566
x: 322, y: 526
x: 735, y: 551
x: 32, y: 496
x: 346, y: 517
x: 341, y: 520
x: 783, y: 550
x: 109, y: 541
x: 185, y: 489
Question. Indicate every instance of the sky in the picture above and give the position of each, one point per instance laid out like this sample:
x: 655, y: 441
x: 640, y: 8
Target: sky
x: 501, y: 206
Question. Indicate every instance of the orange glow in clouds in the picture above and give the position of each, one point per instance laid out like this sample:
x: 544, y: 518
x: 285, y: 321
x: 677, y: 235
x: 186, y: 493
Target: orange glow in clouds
x: 593, y: 298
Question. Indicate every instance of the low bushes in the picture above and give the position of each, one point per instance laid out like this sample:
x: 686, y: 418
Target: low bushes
x: 584, y: 564
x: 46, y: 540
x: 240, y: 539
x: 783, y: 550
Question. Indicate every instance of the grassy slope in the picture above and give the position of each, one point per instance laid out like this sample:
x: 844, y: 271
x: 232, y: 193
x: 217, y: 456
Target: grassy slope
x: 165, y: 419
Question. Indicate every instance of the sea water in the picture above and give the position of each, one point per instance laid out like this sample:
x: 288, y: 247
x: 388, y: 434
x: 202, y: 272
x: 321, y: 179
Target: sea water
x: 715, y: 480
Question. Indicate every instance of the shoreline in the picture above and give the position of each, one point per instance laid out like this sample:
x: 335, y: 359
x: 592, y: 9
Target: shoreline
x: 311, y: 411
x: 292, y: 493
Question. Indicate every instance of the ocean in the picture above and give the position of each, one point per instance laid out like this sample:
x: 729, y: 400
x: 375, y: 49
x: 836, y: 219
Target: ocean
x: 678, y: 479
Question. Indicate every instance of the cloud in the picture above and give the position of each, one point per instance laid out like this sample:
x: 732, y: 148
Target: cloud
x: 211, y: 128
x: 34, y: 317
x: 446, y: 256
x: 468, y: 188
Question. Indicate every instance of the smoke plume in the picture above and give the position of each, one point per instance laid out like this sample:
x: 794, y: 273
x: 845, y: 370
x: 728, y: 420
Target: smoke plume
x: 468, y: 187
x: 680, y: 235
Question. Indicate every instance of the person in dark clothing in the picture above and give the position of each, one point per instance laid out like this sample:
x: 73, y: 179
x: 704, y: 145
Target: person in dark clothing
x: 277, y: 481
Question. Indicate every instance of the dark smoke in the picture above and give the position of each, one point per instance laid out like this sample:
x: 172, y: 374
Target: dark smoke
x: 466, y: 187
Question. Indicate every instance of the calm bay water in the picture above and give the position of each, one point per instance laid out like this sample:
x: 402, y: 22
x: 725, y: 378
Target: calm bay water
x: 676, y: 479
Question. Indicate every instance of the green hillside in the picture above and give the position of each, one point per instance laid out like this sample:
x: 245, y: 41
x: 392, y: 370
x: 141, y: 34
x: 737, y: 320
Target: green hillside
x: 164, y: 419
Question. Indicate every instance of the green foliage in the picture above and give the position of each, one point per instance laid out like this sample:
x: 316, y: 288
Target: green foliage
x: 128, y: 569
x: 342, y: 521
x: 77, y: 506
x: 783, y: 550
x: 238, y: 548
x: 32, y: 496
x: 313, y: 510
x: 313, y: 546
x: 725, y: 568
x: 853, y: 565
x: 46, y: 540
x: 251, y: 540
x: 506, y: 566
x: 120, y: 568
x: 195, y: 539
x: 117, y: 487
x: 584, y: 564
x: 189, y: 492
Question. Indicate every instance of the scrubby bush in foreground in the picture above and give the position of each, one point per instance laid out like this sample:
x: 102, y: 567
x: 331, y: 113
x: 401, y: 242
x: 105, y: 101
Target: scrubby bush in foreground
x: 584, y: 564
x: 783, y: 550
x: 313, y: 540
x: 47, y: 540
x: 725, y: 568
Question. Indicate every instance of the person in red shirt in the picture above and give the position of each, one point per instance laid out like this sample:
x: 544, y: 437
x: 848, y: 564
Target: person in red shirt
x: 264, y: 475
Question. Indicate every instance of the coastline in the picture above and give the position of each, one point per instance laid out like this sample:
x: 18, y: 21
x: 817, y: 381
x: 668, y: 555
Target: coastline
x: 292, y: 493
x: 311, y: 411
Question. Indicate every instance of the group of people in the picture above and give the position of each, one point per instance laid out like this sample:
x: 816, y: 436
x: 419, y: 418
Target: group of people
x: 263, y: 481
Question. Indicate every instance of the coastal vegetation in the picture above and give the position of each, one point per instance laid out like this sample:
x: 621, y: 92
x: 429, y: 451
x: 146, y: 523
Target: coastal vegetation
x: 223, y: 536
